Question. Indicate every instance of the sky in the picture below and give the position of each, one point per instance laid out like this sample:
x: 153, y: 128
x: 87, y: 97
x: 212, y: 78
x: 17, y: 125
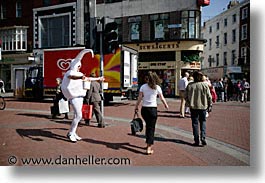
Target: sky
x: 216, y: 7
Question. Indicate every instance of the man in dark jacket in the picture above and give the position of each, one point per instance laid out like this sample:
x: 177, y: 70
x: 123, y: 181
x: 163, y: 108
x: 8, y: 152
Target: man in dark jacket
x: 93, y: 98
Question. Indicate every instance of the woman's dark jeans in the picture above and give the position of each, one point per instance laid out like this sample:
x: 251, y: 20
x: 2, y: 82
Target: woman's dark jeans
x: 149, y: 115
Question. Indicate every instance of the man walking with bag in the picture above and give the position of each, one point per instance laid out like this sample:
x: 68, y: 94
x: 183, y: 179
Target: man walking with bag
x: 93, y: 97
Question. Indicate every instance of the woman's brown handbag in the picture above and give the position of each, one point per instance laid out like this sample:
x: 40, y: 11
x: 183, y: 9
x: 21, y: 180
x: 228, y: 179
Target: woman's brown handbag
x: 136, y: 124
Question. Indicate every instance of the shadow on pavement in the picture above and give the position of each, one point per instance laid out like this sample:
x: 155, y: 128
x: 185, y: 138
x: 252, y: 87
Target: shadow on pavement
x: 36, y: 134
x: 117, y: 146
x: 35, y: 115
x: 162, y: 139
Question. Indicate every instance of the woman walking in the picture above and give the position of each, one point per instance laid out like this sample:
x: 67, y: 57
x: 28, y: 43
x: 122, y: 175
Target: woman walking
x: 148, y: 96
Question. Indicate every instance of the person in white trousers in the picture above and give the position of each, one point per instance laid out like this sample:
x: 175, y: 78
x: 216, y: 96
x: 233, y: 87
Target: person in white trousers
x: 72, y: 88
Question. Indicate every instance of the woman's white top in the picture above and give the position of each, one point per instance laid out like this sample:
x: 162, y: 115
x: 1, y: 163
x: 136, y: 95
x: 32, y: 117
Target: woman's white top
x: 150, y: 95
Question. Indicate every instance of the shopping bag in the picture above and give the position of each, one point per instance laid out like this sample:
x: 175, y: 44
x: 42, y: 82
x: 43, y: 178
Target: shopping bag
x: 86, y: 85
x: 87, y: 111
x: 136, y: 124
x: 63, y: 106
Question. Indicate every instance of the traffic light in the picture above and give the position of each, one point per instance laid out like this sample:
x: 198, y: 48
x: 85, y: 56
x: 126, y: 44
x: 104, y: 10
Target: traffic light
x: 110, y: 37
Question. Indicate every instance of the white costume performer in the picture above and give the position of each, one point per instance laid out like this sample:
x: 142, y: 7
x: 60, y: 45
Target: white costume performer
x: 72, y: 88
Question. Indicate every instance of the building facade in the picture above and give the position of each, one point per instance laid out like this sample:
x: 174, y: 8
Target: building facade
x: 167, y: 34
x: 227, y: 51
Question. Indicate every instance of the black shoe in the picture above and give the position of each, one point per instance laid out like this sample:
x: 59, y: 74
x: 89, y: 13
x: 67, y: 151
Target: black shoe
x: 101, y: 126
x: 204, y: 143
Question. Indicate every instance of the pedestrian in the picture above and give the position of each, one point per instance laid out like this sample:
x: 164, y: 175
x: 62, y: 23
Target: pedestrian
x: 244, y: 90
x: 199, y: 98
x: 148, y: 97
x: 58, y: 96
x: 187, y: 108
x: 182, y: 84
x: 221, y: 90
x: 2, y: 86
x: 94, y: 98
x: 72, y: 88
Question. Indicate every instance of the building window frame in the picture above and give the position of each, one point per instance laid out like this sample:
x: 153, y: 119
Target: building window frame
x: 244, y: 32
x: 234, y: 36
x: 63, y: 38
x: 14, y: 39
x: 190, y: 21
x: 234, y: 18
x: 225, y: 22
x: 159, y: 26
x: 225, y: 58
x: 135, y: 28
x: 18, y: 9
x: 244, y: 12
x: 217, y: 42
x: 233, y: 57
x: 3, y: 10
x: 217, y: 59
x: 217, y: 26
x: 225, y: 38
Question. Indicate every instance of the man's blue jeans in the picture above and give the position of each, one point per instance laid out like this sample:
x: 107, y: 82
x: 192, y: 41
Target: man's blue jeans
x: 198, y: 116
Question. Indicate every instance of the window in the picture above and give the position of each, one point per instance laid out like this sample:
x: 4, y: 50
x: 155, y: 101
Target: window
x: 190, y: 21
x: 234, y: 18
x: 225, y: 22
x: 233, y: 59
x: 135, y: 28
x: 210, y: 60
x: 244, y: 13
x: 217, y: 42
x: 3, y: 10
x: 14, y: 39
x: 217, y: 59
x: 244, y: 31
x: 225, y: 38
x: 159, y: 24
x: 244, y: 54
x: 233, y: 35
x: 46, y: 2
x: 210, y: 29
x: 217, y: 26
x: 55, y: 31
x: 210, y: 44
x: 18, y: 9
x: 225, y: 58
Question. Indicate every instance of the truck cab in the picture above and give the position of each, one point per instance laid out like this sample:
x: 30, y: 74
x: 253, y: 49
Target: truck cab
x: 34, y: 83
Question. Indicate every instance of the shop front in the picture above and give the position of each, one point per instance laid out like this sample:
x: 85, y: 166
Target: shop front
x: 169, y: 60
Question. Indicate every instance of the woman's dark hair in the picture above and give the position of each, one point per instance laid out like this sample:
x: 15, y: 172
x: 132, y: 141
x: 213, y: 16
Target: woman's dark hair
x: 152, y: 80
